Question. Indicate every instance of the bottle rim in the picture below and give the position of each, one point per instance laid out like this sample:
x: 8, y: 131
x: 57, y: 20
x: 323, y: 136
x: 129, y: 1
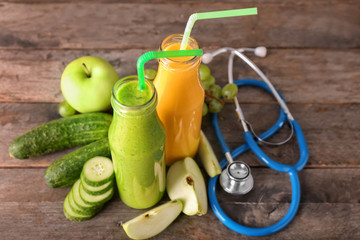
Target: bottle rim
x: 177, y: 38
x: 119, y: 106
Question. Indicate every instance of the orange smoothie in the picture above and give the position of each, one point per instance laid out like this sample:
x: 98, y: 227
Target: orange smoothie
x: 181, y: 98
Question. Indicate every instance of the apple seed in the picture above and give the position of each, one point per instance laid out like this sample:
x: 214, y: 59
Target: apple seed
x: 189, y: 181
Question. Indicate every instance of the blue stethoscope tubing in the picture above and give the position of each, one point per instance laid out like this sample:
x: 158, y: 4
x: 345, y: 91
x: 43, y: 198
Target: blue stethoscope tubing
x: 252, y: 144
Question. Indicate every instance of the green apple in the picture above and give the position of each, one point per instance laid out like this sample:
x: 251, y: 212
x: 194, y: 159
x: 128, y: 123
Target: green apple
x: 154, y: 221
x: 207, y: 157
x: 186, y: 183
x: 87, y: 82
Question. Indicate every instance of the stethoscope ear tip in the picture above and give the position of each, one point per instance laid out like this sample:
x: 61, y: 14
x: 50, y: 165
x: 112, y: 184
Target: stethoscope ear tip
x: 260, y: 51
x: 206, y: 58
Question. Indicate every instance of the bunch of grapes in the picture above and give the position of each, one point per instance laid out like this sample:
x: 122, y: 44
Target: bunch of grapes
x: 214, y: 95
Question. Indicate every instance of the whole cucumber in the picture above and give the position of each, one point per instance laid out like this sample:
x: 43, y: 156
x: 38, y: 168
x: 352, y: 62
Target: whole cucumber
x: 66, y: 170
x: 60, y: 134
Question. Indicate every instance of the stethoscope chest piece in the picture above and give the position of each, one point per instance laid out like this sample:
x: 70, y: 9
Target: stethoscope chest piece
x: 236, y: 178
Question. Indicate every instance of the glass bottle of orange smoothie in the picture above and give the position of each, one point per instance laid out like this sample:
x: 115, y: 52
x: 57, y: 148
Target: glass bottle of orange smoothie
x: 180, y: 100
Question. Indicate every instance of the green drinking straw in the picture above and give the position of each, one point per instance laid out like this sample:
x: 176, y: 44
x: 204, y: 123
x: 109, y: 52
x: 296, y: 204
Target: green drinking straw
x: 161, y: 54
x: 211, y: 15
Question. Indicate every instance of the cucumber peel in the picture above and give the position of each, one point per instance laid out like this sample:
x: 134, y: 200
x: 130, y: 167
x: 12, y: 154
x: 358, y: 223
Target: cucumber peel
x: 59, y: 134
x: 84, y: 207
x: 96, y: 190
x: 66, y: 170
x: 71, y: 215
x: 95, y: 199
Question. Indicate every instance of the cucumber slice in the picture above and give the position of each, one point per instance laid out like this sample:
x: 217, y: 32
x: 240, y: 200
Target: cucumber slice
x: 71, y: 215
x: 95, y: 199
x: 96, y: 190
x: 85, y: 207
x: 72, y: 204
x: 98, y: 171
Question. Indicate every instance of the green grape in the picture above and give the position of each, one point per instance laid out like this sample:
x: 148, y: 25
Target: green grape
x: 215, y: 106
x: 229, y: 91
x: 65, y: 110
x: 205, y: 110
x: 215, y: 91
x: 208, y: 82
x: 204, y: 71
x: 150, y: 74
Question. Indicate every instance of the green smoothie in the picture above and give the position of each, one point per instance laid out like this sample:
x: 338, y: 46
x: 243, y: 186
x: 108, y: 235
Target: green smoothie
x: 130, y: 95
x: 137, y: 140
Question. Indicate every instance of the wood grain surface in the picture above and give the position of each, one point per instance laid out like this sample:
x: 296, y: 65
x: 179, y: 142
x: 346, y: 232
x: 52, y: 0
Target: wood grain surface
x: 297, y: 24
x: 313, y: 59
x: 267, y: 204
x: 332, y: 132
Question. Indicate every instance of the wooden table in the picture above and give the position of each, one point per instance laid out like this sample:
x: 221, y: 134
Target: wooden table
x: 313, y: 59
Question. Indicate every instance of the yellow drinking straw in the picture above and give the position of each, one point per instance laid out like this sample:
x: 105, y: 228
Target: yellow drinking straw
x: 211, y: 15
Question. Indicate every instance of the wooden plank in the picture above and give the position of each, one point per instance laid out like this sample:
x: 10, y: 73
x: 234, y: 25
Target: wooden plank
x: 35, y: 210
x: 45, y: 220
x: 124, y: 25
x: 318, y: 186
x: 303, y: 76
x: 324, y: 126
x: 144, y: 1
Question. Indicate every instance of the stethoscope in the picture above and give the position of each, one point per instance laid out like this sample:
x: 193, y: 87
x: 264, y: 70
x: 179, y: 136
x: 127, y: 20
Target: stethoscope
x: 236, y: 176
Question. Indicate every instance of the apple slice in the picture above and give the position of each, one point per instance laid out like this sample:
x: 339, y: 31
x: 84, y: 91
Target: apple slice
x: 186, y: 182
x: 154, y: 221
x: 208, y: 157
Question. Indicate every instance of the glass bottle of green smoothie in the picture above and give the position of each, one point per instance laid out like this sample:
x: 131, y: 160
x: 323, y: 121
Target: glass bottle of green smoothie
x: 137, y: 143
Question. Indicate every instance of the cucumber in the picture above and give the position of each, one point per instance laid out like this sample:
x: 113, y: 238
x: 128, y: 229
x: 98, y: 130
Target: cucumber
x: 71, y: 215
x: 59, y: 134
x: 95, y: 199
x: 98, y: 171
x: 89, y: 209
x: 96, y: 190
x: 66, y: 170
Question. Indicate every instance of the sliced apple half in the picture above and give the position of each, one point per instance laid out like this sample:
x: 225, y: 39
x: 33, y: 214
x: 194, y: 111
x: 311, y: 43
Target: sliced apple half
x: 207, y: 157
x: 154, y: 221
x: 186, y: 182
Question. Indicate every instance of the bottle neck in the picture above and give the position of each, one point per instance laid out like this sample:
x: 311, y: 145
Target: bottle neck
x: 125, y: 95
x: 179, y: 64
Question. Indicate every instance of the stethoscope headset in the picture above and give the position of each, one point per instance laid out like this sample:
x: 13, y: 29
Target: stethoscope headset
x: 236, y: 176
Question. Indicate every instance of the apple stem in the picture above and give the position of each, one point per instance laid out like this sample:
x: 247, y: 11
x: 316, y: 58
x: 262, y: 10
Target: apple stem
x: 86, y: 70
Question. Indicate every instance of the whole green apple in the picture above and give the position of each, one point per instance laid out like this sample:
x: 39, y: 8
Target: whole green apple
x: 87, y: 82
